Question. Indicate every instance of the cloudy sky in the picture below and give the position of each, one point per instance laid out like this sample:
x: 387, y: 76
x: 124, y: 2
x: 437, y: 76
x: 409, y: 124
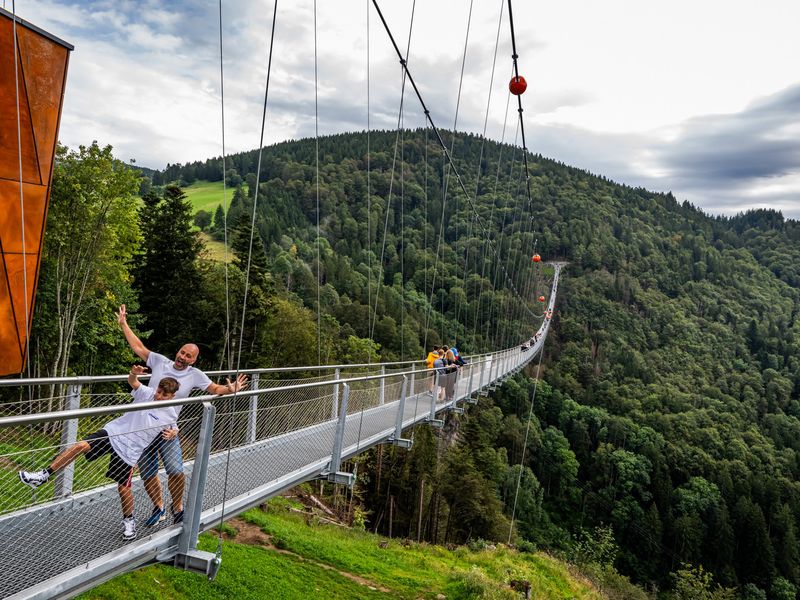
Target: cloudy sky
x: 700, y: 98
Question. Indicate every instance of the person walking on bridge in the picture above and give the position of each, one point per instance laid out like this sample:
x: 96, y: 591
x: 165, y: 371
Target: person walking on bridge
x: 168, y: 446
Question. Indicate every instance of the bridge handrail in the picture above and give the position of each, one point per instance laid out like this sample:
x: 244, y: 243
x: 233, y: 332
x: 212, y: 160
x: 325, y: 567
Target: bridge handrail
x: 61, y: 415
x: 90, y: 379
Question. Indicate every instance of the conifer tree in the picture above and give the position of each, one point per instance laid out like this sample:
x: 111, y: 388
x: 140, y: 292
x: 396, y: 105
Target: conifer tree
x: 167, y: 275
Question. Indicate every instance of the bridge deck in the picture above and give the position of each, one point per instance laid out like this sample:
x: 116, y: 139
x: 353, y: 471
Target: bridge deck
x: 61, y: 547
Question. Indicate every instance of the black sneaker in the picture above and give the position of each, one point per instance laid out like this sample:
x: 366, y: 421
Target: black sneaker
x: 177, y: 517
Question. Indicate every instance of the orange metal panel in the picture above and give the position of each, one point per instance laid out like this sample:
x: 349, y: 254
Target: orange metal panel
x: 15, y: 265
x: 35, y: 204
x: 11, y: 353
x: 45, y: 65
x: 9, y: 140
x: 40, y: 67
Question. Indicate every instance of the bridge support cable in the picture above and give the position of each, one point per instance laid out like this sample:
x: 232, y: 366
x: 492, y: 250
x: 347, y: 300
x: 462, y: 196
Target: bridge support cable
x: 316, y: 180
x: 448, y: 165
x: 514, y: 56
x: 513, y: 258
x: 448, y: 156
x: 247, y: 273
x: 501, y: 238
x: 520, y: 262
x: 479, y: 170
x: 491, y: 216
x: 369, y: 192
x: 388, y: 208
x: 226, y: 346
x: 453, y: 140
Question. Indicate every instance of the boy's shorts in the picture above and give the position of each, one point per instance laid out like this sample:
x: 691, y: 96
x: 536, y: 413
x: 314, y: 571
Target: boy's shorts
x: 170, y: 452
x: 118, y: 469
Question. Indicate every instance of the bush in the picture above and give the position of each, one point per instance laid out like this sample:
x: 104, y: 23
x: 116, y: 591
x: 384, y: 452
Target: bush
x: 596, y: 546
x: 783, y: 589
x: 359, y: 519
x: 752, y: 592
x: 477, y: 585
x: 477, y: 544
x: 695, y: 583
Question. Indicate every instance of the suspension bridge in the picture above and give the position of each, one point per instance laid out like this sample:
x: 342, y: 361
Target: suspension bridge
x: 240, y: 450
x: 286, y: 427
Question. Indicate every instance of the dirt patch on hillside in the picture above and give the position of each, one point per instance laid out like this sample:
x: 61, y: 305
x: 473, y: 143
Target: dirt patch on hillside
x: 248, y: 533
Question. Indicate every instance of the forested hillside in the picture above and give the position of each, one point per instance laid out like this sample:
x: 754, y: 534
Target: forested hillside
x: 668, y: 409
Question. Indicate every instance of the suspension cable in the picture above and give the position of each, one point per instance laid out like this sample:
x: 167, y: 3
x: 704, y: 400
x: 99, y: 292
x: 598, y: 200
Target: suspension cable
x: 500, y: 338
x: 525, y: 443
x: 247, y: 270
x: 438, y: 136
x: 379, y: 281
x: 402, y: 231
x: 21, y: 194
x: 227, y: 350
x: 449, y: 166
x: 480, y: 161
x: 316, y: 156
x: 491, y: 215
x: 425, y: 236
x: 500, y: 240
x: 369, y: 198
x: 514, y: 56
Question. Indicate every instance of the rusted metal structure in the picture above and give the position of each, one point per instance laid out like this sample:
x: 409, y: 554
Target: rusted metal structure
x: 33, y: 72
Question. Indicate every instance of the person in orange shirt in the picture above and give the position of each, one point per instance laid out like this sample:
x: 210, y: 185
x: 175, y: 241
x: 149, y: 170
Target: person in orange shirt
x: 432, y: 356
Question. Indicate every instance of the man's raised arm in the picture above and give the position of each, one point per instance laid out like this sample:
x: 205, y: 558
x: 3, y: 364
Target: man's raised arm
x: 133, y: 340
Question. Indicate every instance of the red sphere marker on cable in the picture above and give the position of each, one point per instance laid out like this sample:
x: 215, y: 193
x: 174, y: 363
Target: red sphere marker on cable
x: 536, y: 258
x: 518, y: 85
x: 541, y: 298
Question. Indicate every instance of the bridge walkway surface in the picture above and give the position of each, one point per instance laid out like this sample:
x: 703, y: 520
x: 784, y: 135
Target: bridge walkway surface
x: 240, y: 450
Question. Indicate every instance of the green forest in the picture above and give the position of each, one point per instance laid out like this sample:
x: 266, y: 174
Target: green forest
x: 664, y: 432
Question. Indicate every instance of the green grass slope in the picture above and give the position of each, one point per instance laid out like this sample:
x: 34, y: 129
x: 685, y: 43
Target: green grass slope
x: 295, y: 560
x: 206, y: 195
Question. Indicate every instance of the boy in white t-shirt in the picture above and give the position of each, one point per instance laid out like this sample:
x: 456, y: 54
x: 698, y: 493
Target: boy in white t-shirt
x: 123, y: 439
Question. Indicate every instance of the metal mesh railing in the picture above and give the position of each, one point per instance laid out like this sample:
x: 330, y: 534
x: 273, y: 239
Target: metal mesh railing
x: 282, y: 428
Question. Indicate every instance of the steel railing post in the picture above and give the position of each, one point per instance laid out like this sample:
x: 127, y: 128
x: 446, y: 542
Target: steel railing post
x: 252, y: 417
x: 337, y: 374
x: 187, y: 543
x: 436, y: 391
x: 336, y: 454
x: 432, y: 416
x: 413, y: 379
x: 69, y: 435
x: 333, y: 473
x: 383, y: 385
x: 397, y: 438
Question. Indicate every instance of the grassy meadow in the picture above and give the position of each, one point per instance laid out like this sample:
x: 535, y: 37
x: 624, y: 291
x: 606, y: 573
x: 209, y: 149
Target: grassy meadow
x: 206, y: 195
x: 286, y: 557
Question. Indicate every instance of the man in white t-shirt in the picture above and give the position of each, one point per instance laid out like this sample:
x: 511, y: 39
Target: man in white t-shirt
x: 123, y: 439
x: 168, y: 446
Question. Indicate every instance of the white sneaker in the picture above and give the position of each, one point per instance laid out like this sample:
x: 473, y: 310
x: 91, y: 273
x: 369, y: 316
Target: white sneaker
x: 34, y: 479
x: 129, y: 528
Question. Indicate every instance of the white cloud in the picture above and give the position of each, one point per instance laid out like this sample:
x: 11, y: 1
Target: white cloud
x: 614, y: 87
